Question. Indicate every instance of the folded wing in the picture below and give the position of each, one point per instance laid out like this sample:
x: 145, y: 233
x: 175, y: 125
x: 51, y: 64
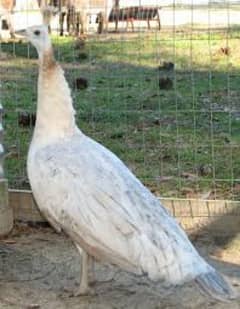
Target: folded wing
x: 107, y: 211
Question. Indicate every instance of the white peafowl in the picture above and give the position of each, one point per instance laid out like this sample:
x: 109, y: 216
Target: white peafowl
x: 83, y: 189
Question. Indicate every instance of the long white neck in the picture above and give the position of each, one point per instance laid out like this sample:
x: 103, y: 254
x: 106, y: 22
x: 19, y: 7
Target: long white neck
x: 55, y: 112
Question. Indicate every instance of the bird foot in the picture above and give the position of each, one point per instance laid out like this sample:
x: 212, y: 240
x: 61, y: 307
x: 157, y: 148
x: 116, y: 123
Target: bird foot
x: 84, y: 291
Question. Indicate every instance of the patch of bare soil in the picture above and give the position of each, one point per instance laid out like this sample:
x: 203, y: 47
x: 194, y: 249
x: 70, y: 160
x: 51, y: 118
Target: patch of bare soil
x: 40, y: 269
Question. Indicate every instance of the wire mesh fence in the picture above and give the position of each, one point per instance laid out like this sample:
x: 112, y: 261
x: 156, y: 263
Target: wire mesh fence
x: 165, y: 101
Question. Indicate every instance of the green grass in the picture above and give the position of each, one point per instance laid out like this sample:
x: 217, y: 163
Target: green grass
x: 180, y: 142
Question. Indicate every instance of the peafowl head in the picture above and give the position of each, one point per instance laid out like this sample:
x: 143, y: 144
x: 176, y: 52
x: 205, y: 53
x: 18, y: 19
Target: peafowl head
x: 39, y: 37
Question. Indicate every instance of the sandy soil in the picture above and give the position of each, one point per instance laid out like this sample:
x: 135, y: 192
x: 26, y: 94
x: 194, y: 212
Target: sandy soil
x: 40, y: 269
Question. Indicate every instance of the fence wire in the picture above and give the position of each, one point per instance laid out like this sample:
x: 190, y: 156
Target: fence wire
x: 166, y: 102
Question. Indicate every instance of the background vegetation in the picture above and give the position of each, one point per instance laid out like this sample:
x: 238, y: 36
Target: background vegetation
x: 181, y: 140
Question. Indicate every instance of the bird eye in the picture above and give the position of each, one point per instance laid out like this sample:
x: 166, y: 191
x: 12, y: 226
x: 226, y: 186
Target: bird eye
x: 37, y: 32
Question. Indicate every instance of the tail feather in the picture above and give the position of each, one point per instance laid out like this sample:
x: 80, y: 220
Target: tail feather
x: 216, y: 286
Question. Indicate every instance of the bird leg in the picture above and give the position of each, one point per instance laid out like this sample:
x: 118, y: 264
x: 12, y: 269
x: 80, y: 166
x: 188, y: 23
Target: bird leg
x: 86, y: 266
x: 91, y: 271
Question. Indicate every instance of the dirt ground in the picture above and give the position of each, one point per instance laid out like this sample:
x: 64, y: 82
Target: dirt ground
x: 40, y: 269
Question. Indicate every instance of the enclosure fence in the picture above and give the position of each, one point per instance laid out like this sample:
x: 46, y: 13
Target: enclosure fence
x: 165, y: 101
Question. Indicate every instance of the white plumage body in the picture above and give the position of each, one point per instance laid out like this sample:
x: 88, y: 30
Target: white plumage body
x: 95, y: 199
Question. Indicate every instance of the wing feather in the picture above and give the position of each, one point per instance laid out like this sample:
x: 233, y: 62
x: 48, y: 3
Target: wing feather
x: 103, y: 206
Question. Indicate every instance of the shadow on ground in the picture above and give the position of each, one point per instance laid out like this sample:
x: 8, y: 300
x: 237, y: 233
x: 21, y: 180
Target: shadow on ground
x: 42, y: 268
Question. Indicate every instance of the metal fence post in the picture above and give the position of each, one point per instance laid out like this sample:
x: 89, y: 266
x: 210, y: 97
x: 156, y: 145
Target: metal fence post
x: 6, y: 213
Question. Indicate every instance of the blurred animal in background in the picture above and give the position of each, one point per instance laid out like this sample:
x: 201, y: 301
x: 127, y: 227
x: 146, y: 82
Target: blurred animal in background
x: 62, y: 6
x: 74, y: 13
x: 9, y: 7
x: 134, y: 13
x: 48, y: 11
x: 77, y: 14
x: 6, y: 11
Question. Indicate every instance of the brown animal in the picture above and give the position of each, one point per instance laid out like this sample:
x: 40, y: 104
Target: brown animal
x: 130, y: 14
x: 62, y: 7
x: 75, y: 13
x: 6, y: 8
x: 78, y: 16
